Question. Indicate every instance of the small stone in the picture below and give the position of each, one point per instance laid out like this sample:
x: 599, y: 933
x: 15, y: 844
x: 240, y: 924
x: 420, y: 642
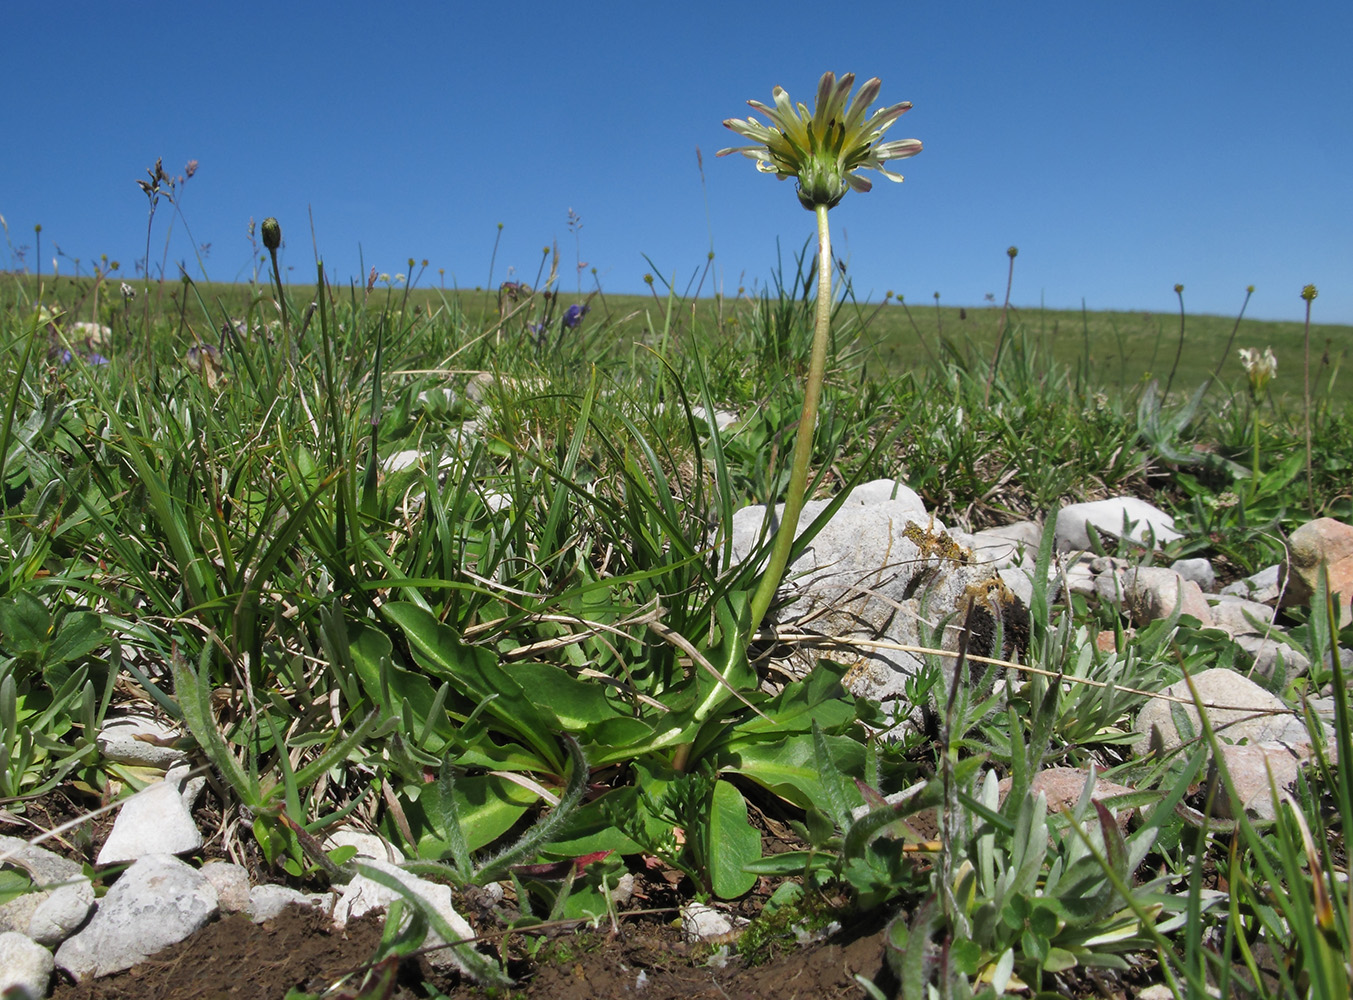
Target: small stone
x: 62, y: 912
x: 1324, y: 541
x: 1080, y: 580
x: 364, y: 894
x: 1264, y: 655
x: 1239, y: 616
x: 1111, y: 587
x: 1262, y: 586
x: 140, y: 741
x: 1127, y: 517
x: 722, y: 418
x: 153, y: 821
x: 1200, y: 571
x: 1249, y: 767
x: 266, y: 902
x: 190, y: 786
x: 700, y: 922
x: 1153, y: 593
x: 1007, y: 545
x: 623, y: 890
x: 1062, y: 787
x: 156, y: 902
x: 1249, y: 712
x: 231, y: 883
x: 17, y: 914
x: 368, y: 845
x: 25, y: 967
x: 43, y: 867
x: 1109, y: 564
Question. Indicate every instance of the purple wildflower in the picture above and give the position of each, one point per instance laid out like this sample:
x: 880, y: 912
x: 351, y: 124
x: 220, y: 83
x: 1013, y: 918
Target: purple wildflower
x: 573, y: 316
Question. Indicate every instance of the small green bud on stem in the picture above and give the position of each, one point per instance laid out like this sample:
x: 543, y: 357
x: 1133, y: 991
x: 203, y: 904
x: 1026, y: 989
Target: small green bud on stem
x: 272, y: 234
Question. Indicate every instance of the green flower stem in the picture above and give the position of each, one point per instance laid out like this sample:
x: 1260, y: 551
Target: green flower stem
x: 803, y: 441
x: 1254, y: 476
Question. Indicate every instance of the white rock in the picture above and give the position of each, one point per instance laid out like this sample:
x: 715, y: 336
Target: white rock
x: 401, y: 460
x: 156, y: 902
x: 25, y: 967
x: 153, y: 821
x: 49, y: 873
x: 1263, y: 586
x: 1021, y: 583
x: 722, y: 418
x: 700, y: 922
x: 1007, y: 545
x: 190, y: 786
x: 1080, y: 579
x: 878, y: 491
x: 1200, y: 571
x: 17, y: 914
x: 1248, y: 712
x: 496, y: 502
x: 139, y: 740
x: 1264, y: 653
x: 43, y: 867
x: 368, y: 845
x: 1118, y: 516
x: 1240, y: 616
x: 364, y: 894
x: 231, y: 883
x: 267, y: 901
x: 63, y: 911
x: 1111, y: 587
x: 882, y: 570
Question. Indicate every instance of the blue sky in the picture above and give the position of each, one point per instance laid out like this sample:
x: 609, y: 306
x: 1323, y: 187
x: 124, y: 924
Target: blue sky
x: 1122, y: 147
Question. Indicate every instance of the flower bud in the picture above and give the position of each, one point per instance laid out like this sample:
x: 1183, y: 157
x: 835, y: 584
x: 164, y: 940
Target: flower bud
x: 272, y: 233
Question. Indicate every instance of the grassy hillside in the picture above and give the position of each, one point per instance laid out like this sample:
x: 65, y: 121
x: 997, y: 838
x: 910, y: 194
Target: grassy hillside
x: 1108, y: 350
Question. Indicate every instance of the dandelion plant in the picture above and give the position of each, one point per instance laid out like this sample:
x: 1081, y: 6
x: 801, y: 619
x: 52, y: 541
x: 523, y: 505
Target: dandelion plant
x: 824, y: 151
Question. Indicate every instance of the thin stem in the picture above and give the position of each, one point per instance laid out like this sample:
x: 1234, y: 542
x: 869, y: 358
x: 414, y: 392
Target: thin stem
x: 1000, y: 333
x: 1306, y: 399
x: 282, y: 298
x: 803, y: 440
x: 1226, y: 351
x: 1179, y: 351
x: 1254, y: 480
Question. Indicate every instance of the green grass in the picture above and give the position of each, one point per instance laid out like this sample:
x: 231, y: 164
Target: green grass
x: 1104, y: 349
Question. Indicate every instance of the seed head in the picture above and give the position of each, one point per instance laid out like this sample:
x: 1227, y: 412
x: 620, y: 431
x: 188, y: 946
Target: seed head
x: 1012, y: 253
x: 1309, y: 293
x: 272, y: 233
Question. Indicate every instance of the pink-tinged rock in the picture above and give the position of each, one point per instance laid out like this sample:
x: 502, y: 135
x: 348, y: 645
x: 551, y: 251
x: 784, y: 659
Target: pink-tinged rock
x: 1063, y: 786
x: 1249, y: 767
x: 1153, y: 592
x: 1322, y: 541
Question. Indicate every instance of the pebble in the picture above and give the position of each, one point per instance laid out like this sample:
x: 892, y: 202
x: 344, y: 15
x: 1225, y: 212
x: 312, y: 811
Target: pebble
x: 25, y: 966
x: 153, y: 821
x: 156, y: 902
